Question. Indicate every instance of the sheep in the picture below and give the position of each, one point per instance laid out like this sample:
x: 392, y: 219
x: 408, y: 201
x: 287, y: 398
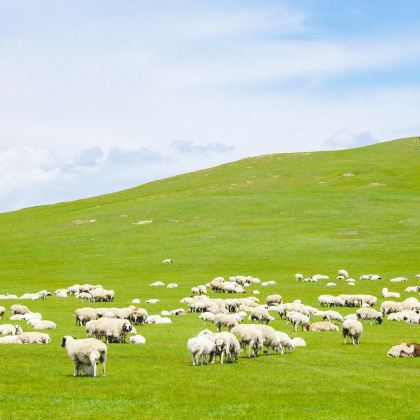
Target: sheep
x: 417, y: 276
x: 298, y: 277
x: 390, y: 295
x: 157, y: 284
x: 351, y: 316
x: 317, y: 277
x: 168, y: 261
x: 172, y: 286
x: 33, y: 338
x: 86, y: 351
x: 296, y: 319
x: 343, y: 273
x: 9, y: 329
x: 255, y: 292
x: 370, y: 277
x: 101, y: 295
x: 31, y: 315
x: 152, y: 301
x: 84, y: 296
x: 227, y: 346
x: 329, y: 300
x: 249, y: 336
x: 387, y: 307
x: 157, y: 319
x: 331, y: 284
x: 225, y: 320
x: 411, y: 303
x: 207, y: 317
x: 19, y: 309
x: 352, y: 329
x: 400, y: 316
x: 2, y: 311
x: 370, y: 314
x: 139, y: 316
x: 135, y: 301
x: 412, y: 289
x: 269, y: 283
x: 332, y: 316
x: 201, y: 347
x: 405, y: 350
x: 298, y: 342
x: 44, y: 325
x: 272, y: 300
x: 261, y: 315
x: 112, y: 330
x: 84, y: 315
x: 137, y: 339
x: 323, y: 326
x: 279, y: 341
x: 398, y: 279
x: 8, y: 297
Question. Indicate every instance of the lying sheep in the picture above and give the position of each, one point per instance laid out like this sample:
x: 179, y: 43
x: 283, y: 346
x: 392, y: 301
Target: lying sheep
x: 412, y: 289
x: 405, y: 350
x: 7, y: 296
x: 9, y: 329
x: 33, y: 338
x: 19, y: 309
x: 86, y: 352
x: 369, y: 314
x: 323, y: 326
x: 43, y: 325
x: 388, y: 306
x: 331, y: 284
x: 298, y: 342
x: 152, y: 301
x: 296, y: 319
x: 201, y: 347
x: 298, y: 276
x: 390, y: 295
x: 2, y: 311
x: 157, y: 319
x: 137, y: 339
x: 352, y: 329
x: 168, y: 261
x: 172, y: 286
x: 157, y: 284
x: 398, y: 279
x: 343, y: 273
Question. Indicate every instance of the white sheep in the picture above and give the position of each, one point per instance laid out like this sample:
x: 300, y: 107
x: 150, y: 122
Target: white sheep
x: 249, y: 336
x: 398, y: 279
x: 152, y: 301
x: 390, y: 295
x: 19, y: 309
x: 331, y: 284
x: 2, y: 311
x: 279, y: 341
x: 298, y: 342
x: 296, y: 319
x: 298, y: 276
x: 135, y: 301
x: 369, y: 314
x: 201, y: 347
x: 332, y: 316
x: 227, y: 347
x: 137, y: 339
x: 157, y: 284
x: 412, y: 289
x: 9, y: 329
x: 352, y: 329
x: 343, y: 273
x: 261, y: 315
x: 323, y: 326
x: 86, y: 352
x: 33, y: 338
x: 43, y: 325
x: 405, y: 350
x: 168, y: 261
x: 172, y: 285
x: 272, y: 300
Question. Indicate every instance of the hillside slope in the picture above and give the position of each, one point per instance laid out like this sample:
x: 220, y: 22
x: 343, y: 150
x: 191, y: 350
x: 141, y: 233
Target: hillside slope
x: 270, y: 217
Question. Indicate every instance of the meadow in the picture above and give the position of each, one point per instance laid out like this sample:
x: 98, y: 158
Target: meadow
x: 270, y: 217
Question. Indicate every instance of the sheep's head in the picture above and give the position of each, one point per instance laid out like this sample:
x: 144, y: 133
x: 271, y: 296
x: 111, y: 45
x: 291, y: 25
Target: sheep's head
x: 18, y: 329
x: 127, y: 327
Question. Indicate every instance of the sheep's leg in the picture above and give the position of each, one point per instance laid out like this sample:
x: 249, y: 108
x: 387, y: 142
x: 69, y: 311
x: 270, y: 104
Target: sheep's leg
x: 76, y: 368
x: 103, y: 368
x: 193, y: 359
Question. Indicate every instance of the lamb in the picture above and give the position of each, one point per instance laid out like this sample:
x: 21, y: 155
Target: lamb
x: 86, y: 352
x: 249, y: 336
x: 201, y: 347
x: 323, y: 326
x: 137, y: 339
x: 272, y: 300
x: 368, y: 313
x: 44, y: 325
x: 352, y: 329
x: 405, y: 350
x: 296, y: 319
x: 261, y: 315
x: 227, y: 347
x: 84, y: 315
x: 2, y: 311
x: 9, y: 329
x: 332, y: 316
x: 390, y: 295
x: 19, y: 309
x: 32, y: 338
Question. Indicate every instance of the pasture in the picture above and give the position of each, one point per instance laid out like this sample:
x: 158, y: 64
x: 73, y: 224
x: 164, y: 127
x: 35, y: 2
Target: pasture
x: 269, y: 217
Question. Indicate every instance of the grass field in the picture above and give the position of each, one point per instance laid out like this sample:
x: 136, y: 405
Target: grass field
x: 269, y: 217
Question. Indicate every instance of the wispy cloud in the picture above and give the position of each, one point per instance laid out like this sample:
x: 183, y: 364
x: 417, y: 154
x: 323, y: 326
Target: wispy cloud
x: 189, y: 147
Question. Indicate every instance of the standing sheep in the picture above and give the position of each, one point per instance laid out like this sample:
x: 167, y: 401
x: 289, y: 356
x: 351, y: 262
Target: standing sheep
x: 352, y: 329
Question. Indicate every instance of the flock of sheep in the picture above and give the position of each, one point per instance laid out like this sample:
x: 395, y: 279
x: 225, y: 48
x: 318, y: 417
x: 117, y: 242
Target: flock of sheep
x: 108, y: 325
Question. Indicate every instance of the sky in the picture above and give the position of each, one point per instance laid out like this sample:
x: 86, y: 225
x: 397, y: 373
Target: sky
x: 99, y: 95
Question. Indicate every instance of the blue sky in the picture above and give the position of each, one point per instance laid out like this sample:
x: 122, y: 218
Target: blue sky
x: 96, y: 96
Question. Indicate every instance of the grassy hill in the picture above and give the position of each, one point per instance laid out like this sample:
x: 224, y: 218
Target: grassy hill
x: 270, y: 217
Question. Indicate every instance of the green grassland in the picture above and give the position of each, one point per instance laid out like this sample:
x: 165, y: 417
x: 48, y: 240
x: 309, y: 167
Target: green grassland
x: 269, y: 217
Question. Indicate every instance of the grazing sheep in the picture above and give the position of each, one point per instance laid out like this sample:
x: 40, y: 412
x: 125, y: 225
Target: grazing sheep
x: 2, y: 311
x: 332, y: 316
x: 19, y: 309
x: 84, y: 296
x: 227, y: 347
x: 296, y: 319
x: 390, y: 295
x: 279, y: 341
x: 405, y: 350
x: 84, y: 315
x: 139, y: 316
x: 137, y: 339
x: 249, y: 336
x: 343, y: 273
x: 261, y: 315
x: 112, y: 330
x: 352, y: 329
x: 298, y: 277
x: 201, y: 347
x: 86, y: 351
x: 225, y: 320
x: 9, y: 329
x: 323, y: 326
x: 369, y: 314
x: 207, y: 317
x: 388, y: 306
x: 272, y: 300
